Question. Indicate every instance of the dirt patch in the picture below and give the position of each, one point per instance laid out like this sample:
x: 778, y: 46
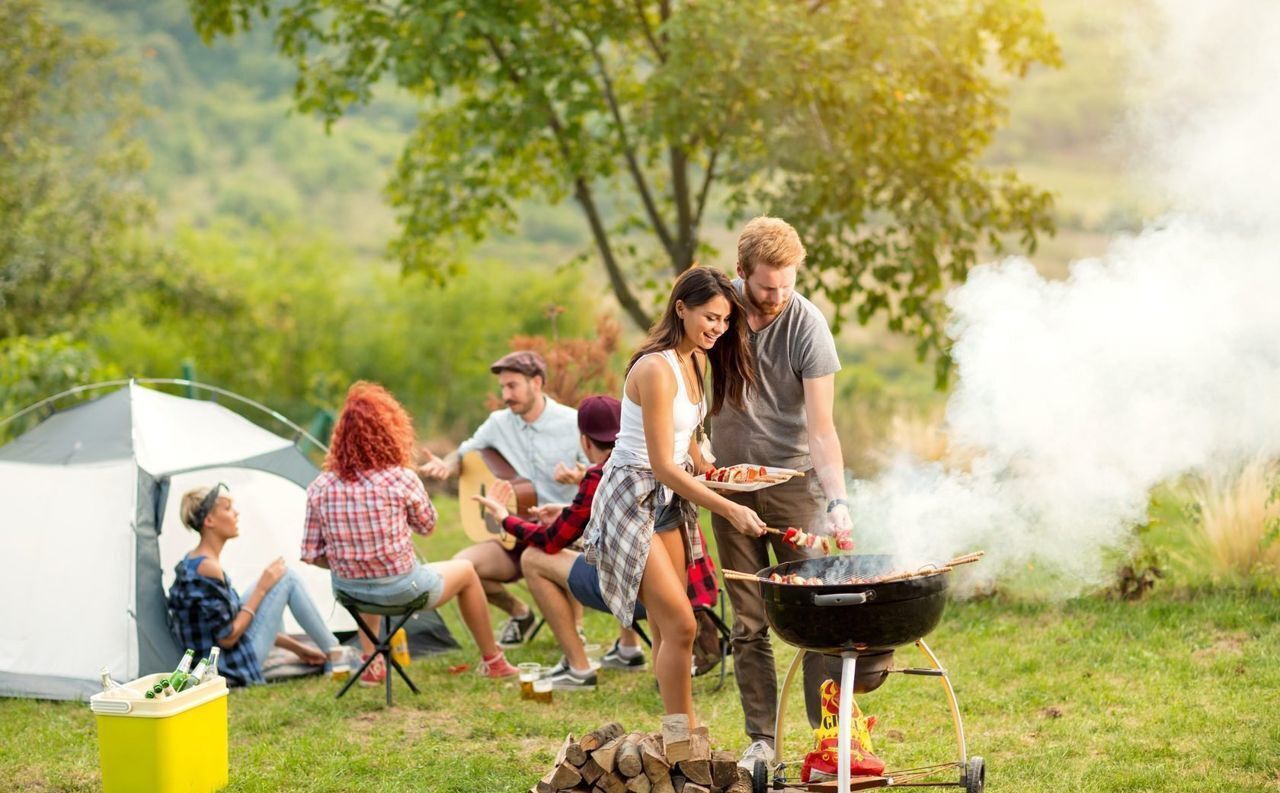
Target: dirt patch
x: 1052, y: 712
x: 1224, y: 644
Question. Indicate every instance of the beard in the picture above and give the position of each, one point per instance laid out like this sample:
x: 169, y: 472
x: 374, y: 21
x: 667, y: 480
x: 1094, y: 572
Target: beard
x: 764, y: 309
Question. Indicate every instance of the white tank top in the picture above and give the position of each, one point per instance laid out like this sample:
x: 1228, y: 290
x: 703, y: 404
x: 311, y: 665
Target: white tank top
x: 630, y: 447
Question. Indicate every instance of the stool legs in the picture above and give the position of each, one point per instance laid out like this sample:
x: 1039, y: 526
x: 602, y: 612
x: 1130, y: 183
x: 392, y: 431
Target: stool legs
x: 382, y: 646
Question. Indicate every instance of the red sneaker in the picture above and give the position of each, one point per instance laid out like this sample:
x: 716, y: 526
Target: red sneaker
x: 375, y: 674
x: 496, y: 666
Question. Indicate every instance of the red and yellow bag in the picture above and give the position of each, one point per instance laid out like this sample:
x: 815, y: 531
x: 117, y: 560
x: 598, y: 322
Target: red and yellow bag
x: 822, y: 762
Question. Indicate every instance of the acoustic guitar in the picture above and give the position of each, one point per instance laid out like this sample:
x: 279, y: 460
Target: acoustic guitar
x: 479, y: 470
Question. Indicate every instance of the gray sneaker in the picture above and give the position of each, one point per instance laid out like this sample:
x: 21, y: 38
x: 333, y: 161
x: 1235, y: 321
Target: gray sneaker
x: 567, y: 680
x: 758, y: 750
x: 516, y: 629
x: 615, y: 660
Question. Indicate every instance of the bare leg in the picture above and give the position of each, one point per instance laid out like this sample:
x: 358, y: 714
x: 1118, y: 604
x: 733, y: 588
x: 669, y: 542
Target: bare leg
x: 494, y: 567
x: 374, y: 623
x: 547, y: 576
x: 460, y: 579
x: 674, y: 628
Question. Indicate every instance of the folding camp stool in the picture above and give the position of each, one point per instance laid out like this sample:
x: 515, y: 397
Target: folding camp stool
x: 382, y: 644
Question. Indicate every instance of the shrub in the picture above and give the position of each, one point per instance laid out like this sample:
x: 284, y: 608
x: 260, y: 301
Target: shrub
x: 1238, y: 516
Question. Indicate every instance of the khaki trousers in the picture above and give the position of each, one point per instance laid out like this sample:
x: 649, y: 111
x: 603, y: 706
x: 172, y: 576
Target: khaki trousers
x: 792, y: 503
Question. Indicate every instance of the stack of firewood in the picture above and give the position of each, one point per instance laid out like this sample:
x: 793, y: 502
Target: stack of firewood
x: 676, y: 760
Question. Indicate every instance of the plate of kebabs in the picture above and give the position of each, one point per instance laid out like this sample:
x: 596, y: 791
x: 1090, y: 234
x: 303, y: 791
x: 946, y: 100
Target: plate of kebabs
x: 745, y: 477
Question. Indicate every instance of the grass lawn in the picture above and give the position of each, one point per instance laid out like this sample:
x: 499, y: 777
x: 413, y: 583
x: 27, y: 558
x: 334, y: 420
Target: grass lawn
x: 1178, y: 692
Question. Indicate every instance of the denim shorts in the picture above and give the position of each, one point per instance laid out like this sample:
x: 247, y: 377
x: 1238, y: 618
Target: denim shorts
x: 668, y: 516
x: 394, y: 590
x: 584, y: 584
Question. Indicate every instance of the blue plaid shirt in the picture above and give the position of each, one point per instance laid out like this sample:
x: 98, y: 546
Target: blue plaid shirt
x: 202, y: 610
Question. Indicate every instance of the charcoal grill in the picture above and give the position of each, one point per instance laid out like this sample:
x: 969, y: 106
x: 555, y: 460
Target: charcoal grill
x: 862, y: 624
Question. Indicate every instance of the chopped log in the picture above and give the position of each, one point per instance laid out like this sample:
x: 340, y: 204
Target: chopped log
x: 663, y: 785
x: 565, y: 776
x: 544, y: 784
x: 655, y: 765
x: 702, y: 730
x: 693, y: 787
x: 612, y: 783
x: 597, y: 738
x: 639, y: 784
x: 724, y: 768
x: 698, y: 771
x: 591, y: 770
x: 675, y: 737
x: 628, y: 761
x: 697, y: 767
x: 606, y: 754
x: 575, y: 754
x: 742, y: 783
x: 678, y: 782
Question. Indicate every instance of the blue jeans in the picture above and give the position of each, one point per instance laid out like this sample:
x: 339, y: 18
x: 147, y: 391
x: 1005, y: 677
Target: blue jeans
x: 393, y: 590
x: 268, y: 622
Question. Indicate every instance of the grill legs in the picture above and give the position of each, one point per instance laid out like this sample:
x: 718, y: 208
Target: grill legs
x: 951, y: 700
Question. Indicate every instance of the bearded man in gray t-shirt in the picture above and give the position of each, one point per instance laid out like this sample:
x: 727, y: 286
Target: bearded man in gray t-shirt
x: 787, y: 423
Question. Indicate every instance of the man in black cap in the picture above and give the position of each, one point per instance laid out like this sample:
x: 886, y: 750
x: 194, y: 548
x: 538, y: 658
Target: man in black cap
x: 535, y: 434
x: 558, y: 577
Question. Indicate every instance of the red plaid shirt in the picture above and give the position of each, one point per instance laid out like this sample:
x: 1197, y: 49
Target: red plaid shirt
x: 704, y: 589
x: 568, y: 525
x: 361, y: 528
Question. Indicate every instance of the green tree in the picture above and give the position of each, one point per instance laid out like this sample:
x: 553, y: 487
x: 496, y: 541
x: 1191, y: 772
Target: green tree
x: 71, y: 209
x: 859, y: 121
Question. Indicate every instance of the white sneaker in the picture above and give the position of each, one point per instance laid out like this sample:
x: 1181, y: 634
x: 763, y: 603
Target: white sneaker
x: 758, y: 750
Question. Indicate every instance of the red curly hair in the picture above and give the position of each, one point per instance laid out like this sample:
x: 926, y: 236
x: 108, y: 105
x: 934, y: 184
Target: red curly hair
x: 374, y: 431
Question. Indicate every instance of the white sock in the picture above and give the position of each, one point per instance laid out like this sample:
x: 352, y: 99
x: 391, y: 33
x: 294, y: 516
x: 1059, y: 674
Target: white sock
x: 627, y: 651
x: 581, y: 674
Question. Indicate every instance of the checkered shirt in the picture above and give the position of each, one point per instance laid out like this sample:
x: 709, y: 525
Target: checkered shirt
x: 361, y: 527
x: 568, y: 525
x: 704, y: 588
x: 618, y: 537
x: 202, y: 610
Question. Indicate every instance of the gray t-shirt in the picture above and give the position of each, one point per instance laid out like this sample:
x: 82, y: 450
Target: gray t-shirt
x: 795, y: 347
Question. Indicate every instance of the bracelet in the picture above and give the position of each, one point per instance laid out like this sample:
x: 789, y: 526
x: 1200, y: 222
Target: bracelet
x: 836, y: 502
x: 252, y: 613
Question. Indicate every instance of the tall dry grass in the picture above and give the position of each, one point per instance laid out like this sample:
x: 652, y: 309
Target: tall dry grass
x: 1238, y: 514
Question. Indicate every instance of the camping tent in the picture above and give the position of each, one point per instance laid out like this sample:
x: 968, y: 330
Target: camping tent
x: 89, y: 532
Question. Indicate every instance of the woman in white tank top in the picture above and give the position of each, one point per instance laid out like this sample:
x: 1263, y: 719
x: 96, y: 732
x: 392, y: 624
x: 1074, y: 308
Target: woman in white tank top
x: 653, y: 467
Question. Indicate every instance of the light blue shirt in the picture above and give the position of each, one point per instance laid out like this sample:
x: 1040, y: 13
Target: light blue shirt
x: 534, y: 449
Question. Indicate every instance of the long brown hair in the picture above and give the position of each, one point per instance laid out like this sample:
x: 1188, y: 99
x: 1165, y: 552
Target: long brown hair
x: 733, y: 371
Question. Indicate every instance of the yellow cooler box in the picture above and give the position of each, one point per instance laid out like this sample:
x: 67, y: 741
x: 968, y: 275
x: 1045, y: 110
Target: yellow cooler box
x: 176, y: 744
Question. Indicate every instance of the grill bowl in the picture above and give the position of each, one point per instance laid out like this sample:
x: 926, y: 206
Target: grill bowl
x: 816, y: 618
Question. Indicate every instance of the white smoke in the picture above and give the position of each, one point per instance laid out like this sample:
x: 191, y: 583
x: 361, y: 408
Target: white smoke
x: 1160, y: 358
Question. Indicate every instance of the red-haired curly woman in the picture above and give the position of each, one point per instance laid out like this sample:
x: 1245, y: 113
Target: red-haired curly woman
x: 359, y: 515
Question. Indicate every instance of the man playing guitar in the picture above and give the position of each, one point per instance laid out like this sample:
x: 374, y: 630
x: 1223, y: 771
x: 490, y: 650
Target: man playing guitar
x: 539, y: 438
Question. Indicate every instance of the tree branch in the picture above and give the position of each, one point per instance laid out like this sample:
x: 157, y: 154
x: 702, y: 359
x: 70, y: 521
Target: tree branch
x: 633, y: 165
x: 648, y: 31
x: 706, y: 188
x: 685, y: 231
x: 582, y: 192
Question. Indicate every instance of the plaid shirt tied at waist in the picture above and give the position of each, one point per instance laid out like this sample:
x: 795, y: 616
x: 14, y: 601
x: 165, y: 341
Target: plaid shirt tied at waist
x: 620, y: 532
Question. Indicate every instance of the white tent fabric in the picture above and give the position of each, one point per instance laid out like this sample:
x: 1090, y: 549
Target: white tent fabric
x: 81, y: 569
x: 63, y: 558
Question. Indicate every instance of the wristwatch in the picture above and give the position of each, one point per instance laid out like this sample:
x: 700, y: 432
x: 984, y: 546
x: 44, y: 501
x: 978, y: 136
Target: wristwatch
x: 837, y: 502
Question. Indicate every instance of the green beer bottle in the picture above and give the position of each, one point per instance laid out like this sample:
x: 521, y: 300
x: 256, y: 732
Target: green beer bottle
x: 183, y: 669
x: 166, y: 688
x: 157, y: 689
x: 151, y: 694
